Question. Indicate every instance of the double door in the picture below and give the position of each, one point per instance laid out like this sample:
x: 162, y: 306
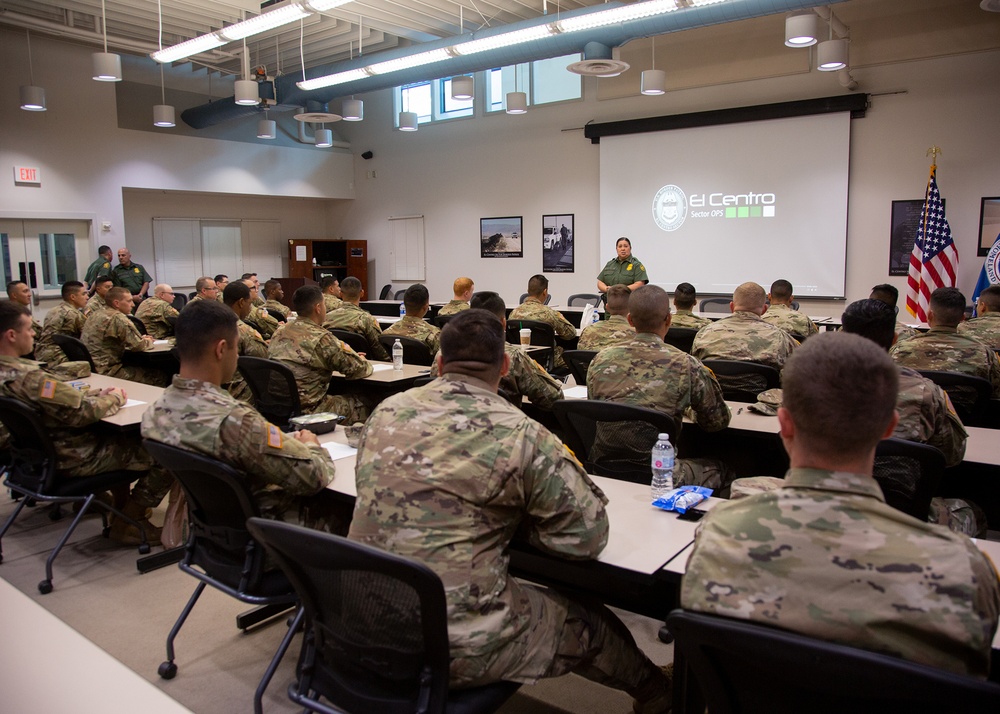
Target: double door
x: 44, y: 253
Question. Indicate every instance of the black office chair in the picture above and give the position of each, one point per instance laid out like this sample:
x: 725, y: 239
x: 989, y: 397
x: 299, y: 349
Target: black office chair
x: 909, y: 474
x: 735, y: 663
x: 715, y: 305
x: 579, y: 362
x: 542, y: 333
x: 30, y: 471
x: 275, y: 392
x: 191, y: 295
x: 172, y: 321
x: 359, y: 343
x: 221, y: 552
x: 421, y: 381
x: 180, y: 300
x: 583, y: 299
x: 74, y: 349
x: 386, y: 291
x: 970, y: 395
x: 525, y: 297
x: 794, y: 304
x: 743, y: 381
x: 399, y: 294
x: 276, y: 315
x: 376, y: 635
x: 681, y: 337
x: 613, y: 439
x: 139, y: 324
x: 442, y: 320
x: 798, y: 337
x: 414, y: 351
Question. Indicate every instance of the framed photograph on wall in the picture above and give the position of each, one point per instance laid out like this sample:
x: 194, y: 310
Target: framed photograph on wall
x: 989, y: 224
x: 501, y: 237
x: 902, y: 233
x: 557, y: 243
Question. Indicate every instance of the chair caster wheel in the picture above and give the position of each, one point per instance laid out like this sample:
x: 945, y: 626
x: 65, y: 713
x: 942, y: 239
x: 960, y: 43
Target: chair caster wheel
x: 144, y: 549
x: 1, y: 557
x: 45, y: 587
x: 664, y: 635
x: 106, y: 532
x: 167, y: 670
x: 55, y: 513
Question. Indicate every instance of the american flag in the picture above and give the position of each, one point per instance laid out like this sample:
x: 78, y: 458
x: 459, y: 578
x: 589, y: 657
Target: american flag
x: 934, y: 260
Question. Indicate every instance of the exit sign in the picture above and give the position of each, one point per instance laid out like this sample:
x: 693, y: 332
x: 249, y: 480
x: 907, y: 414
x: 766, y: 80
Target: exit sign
x: 27, y: 174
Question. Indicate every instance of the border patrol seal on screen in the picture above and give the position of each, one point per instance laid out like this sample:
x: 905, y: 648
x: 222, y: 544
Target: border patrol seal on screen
x: 993, y: 264
x: 670, y: 208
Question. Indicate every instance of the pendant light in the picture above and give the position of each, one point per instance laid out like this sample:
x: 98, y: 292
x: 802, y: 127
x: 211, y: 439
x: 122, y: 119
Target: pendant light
x: 163, y: 113
x: 246, y: 88
x: 267, y: 128
x: 462, y: 87
x: 324, y: 138
x: 516, y: 102
x: 654, y: 81
x: 32, y: 96
x: 107, y: 65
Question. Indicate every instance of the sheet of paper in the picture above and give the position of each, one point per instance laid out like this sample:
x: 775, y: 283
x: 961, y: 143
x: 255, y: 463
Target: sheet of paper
x: 161, y: 342
x: 132, y: 403
x: 578, y: 392
x: 300, y: 253
x: 339, y: 451
x: 380, y: 367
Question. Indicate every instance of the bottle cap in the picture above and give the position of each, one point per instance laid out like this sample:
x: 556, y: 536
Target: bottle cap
x: 663, y: 437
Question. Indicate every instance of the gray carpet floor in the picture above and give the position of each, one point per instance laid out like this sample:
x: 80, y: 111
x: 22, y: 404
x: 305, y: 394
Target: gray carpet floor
x: 99, y: 593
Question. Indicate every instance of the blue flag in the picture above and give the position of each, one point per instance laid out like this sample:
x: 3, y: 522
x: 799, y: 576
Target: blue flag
x: 990, y: 274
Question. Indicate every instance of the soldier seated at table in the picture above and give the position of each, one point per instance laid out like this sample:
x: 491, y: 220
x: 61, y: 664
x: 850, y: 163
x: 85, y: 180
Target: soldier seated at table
x: 781, y: 313
x: 330, y: 288
x: 205, y: 289
x: 462, y: 289
x: 258, y: 318
x: 274, y: 294
x: 236, y: 297
x: 616, y: 328
x: 685, y: 300
x: 412, y: 324
x: 985, y: 327
x: 157, y: 311
x: 70, y: 416
x: 889, y: 294
x: 66, y: 318
x: 109, y: 333
x: 534, y: 308
x: 349, y: 316
x: 824, y: 555
x: 96, y: 303
x: 286, y: 472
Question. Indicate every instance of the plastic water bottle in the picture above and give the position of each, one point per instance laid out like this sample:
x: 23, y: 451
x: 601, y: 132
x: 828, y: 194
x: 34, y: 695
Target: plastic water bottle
x: 662, y: 466
x: 397, y: 364
x: 596, y: 317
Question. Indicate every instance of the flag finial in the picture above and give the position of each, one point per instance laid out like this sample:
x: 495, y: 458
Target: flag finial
x: 933, y: 152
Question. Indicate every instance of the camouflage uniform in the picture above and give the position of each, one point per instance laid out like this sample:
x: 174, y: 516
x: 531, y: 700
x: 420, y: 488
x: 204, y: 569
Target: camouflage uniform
x: 94, y: 304
x: 943, y: 348
x: 525, y: 378
x: 613, y: 331
x: 446, y: 474
x: 352, y: 318
x: 454, y: 307
x: 261, y: 321
x: 623, y: 272
x: 826, y: 557
x: 282, y: 472
x: 63, y: 319
x: 743, y: 337
x: 277, y: 307
x: 313, y: 353
x: 258, y: 301
x: 985, y: 328
x: 418, y: 329
x: 68, y: 415
x: 331, y: 302
x: 904, y: 332
x: 154, y: 313
x: 927, y: 416
x: 688, y: 320
x: 107, y: 334
x: 533, y: 309
x: 251, y: 345
x: 789, y: 320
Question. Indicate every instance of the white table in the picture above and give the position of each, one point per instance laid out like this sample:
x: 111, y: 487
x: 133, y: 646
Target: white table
x: 126, y: 416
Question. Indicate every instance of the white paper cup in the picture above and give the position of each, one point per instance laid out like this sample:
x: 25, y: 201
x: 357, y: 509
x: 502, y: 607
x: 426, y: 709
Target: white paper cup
x: 525, y: 333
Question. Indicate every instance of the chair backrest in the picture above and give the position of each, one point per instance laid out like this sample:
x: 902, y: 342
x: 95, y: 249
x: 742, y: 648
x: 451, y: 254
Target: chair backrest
x: 736, y: 664
x: 681, y: 337
x: 970, y: 395
x: 613, y: 439
x: 219, y: 504
x: 908, y: 474
x: 442, y: 320
x: 32, y: 454
x: 579, y: 362
x: 172, y: 321
x: 180, y: 300
x: 399, y: 294
x: 582, y: 299
x: 74, y: 349
x: 542, y: 334
x: 795, y: 304
x: 378, y: 631
x: 139, y: 324
x: 524, y: 297
x: 386, y: 291
x: 275, y: 392
x: 191, y: 295
x: 715, y: 305
x: 743, y: 381
x: 276, y: 315
x: 358, y: 343
x: 414, y: 351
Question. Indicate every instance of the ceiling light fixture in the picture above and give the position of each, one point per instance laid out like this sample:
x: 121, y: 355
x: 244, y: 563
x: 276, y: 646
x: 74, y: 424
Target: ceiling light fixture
x: 506, y: 39
x: 267, y: 128
x: 107, y: 66
x: 353, y: 109
x: 654, y: 81
x: 246, y: 89
x: 163, y: 113
x: 32, y: 96
x: 831, y: 55
x: 407, y: 121
x: 462, y: 87
x: 802, y: 30
x: 516, y: 102
x: 324, y: 138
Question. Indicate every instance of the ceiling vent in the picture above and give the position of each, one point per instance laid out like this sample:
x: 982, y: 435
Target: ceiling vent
x: 598, y: 61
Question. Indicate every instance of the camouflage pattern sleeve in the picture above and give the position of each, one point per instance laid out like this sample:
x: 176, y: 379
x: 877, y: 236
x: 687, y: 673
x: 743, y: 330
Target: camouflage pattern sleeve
x: 341, y: 358
x: 251, y: 343
x: 371, y: 330
x: 529, y: 379
x: 61, y: 403
x: 707, y: 401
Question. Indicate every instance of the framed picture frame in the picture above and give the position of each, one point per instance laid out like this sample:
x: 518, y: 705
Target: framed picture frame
x: 989, y: 224
x: 902, y: 232
x: 501, y: 237
x: 557, y: 243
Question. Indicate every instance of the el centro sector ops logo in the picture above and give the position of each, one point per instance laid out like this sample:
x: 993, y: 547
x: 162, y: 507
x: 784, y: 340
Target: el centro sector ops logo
x: 993, y: 264
x: 671, y: 206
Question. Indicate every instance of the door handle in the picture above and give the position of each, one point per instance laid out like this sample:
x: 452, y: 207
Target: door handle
x: 32, y: 282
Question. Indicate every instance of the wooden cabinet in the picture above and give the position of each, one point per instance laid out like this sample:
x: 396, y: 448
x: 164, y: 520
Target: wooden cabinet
x: 316, y: 259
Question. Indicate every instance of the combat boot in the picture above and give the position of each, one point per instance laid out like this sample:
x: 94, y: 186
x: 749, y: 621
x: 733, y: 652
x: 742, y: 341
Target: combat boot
x: 125, y: 533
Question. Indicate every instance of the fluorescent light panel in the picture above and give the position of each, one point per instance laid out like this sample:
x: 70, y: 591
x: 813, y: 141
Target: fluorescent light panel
x: 264, y: 22
x: 503, y: 40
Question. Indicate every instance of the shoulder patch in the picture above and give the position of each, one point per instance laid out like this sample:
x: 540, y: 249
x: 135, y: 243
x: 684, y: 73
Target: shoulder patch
x: 107, y: 265
x: 628, y: 266
x: 48, y: 389
x: 135, y: 270
x: 274, y: 436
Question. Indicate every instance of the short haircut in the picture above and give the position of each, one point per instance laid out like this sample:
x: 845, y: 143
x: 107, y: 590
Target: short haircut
x: 104, y: 249
x: 685, y: 296
x: 840, y: 390
x: 416, y: 297
x: 234, y: 292
x: 70, y: 287
x: 304, y: 299
x: 618, y: 297
x: 116, y: 293
x: 220, y: 277
x: 491, y: 302
x: 202, y: 283
x: 872, y: 319
x: 473, y: 336
x: 889, y: 294
x: 648, y: 306
x: 200, y: 325
x: 991, y: 298
x: 101, y: 279
x: 623, y: 238
x: 271, y: 285
x: 13, y: 284
x: 948, y: 305
x: 326, y: 282
x: 351, y: 287
x: 536, y: 284
x: 10, y: 315
x: 248, y: 276
x: 781, y: 290
x: 461, y: 285
x: 749, y: 296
